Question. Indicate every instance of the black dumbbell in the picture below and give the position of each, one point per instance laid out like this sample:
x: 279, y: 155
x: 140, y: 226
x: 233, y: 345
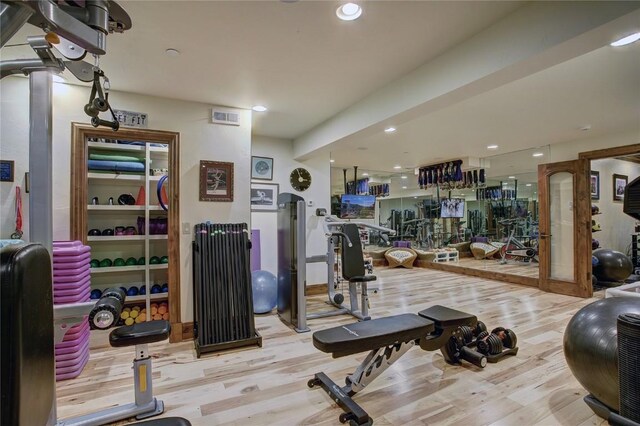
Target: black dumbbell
x: 469, y: 334
x: 494, y: 343
x: 105, y: 313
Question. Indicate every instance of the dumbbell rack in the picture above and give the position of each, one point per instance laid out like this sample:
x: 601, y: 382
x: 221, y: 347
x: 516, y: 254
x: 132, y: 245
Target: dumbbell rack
x: 635, y: 252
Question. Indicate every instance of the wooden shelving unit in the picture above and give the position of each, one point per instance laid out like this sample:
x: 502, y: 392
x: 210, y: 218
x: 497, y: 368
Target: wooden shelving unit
x: 85, y: 216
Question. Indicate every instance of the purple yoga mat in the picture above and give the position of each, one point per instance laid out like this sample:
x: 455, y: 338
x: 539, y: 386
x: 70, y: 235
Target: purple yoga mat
x: 76, y: 332
x: 74, y: 250
x: 71, y: 372
x: 70, y: 275
x: 82, y: 297
x: 71, y: 286
x: 70, y: 262
x: 256, y: 261
x: 75, y: 355
x: 77, y: 291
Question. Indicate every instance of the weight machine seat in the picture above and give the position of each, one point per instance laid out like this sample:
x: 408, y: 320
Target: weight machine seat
x: 447, y: 317
x: 373, y: 334
x: 140, y: 334
x: 363, y: 278
x: 167, y: 421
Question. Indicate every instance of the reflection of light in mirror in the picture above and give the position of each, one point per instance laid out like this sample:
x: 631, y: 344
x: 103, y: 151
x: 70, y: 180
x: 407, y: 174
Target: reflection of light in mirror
x: 404, y: 187
x: 528, y: 184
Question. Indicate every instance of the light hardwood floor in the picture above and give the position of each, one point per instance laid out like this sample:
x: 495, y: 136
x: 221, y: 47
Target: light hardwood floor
x: 511, y: 267
x: 267, y: 385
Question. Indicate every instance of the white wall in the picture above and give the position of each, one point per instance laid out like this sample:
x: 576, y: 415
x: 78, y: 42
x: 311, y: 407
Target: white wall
x: 281, y: 150
x: 616, y: 226
x: 199, y: 140
x: 569, y: 150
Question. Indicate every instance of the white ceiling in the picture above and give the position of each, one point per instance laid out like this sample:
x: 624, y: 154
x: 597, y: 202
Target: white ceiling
x: 601, y: 89
x: 307, y: 66
x: 296, y: 58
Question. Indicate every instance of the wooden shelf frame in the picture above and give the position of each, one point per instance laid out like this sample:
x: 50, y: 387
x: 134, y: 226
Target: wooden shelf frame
x: 80, y: 194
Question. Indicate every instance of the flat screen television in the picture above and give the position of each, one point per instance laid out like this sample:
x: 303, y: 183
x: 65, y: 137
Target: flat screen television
x: 357, y: 206
x: 452, y: 207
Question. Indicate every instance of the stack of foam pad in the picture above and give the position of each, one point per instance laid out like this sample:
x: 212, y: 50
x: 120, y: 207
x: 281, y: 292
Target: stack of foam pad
x: 222, y: 288
x: 71, y: 284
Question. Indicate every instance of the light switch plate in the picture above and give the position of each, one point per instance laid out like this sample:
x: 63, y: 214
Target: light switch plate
x: 186, y: 228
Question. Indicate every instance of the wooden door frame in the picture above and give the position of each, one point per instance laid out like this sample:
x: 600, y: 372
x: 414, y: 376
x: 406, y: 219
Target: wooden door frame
x: 581, y: 229
x: 80, y: 197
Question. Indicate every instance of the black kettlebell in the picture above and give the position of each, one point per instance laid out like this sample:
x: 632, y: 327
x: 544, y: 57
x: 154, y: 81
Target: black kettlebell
x: 126, y: 200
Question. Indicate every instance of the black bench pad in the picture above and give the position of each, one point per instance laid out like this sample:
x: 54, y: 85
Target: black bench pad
x: 447, y: 317
x: 139, y: 334
x: 166, y: 421
x: 362, y: 278
x: 369, y: 335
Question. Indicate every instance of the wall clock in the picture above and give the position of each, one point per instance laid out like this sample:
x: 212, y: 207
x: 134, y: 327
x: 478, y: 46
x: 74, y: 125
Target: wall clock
x: 300, y: 179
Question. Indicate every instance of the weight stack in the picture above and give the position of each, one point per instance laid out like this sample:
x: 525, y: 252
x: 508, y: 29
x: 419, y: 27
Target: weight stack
x: 223, y: 301
x: 629, y: 365
x: 71, y: 284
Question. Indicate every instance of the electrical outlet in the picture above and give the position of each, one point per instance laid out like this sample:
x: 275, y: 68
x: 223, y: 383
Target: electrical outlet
x: 186, y: 228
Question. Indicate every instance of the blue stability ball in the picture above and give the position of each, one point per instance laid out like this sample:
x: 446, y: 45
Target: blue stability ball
x: 265, y: 291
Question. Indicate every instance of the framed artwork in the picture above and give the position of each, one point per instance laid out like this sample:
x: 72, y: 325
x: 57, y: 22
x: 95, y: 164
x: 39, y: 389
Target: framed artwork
x: 619, y: 184
x: 594, y: 183
x: 6, y: 170
x: 261, y: 168
x: 264, y: 197
x: 216, y: 181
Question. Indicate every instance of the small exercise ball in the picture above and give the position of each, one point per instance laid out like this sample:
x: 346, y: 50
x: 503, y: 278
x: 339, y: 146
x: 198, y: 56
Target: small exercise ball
x: 612, y: 266
x: 591, y: 346
x: 265, y: 291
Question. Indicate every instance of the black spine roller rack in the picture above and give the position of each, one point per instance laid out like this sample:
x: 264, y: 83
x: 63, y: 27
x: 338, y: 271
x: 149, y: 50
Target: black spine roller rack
x: 223, y: 301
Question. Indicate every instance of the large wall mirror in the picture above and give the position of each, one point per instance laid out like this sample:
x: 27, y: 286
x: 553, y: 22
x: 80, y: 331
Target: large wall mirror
x: 493, y: 225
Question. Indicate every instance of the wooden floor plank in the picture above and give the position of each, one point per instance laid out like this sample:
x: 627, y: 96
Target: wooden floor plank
x: 259, y: 386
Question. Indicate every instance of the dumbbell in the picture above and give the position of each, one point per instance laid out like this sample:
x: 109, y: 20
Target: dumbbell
x: 494, y: 343
x: 468, y: 333
x: 107, y: 309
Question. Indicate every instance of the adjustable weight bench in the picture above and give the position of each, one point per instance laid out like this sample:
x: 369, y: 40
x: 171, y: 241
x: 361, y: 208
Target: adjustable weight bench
x: 387, y: 339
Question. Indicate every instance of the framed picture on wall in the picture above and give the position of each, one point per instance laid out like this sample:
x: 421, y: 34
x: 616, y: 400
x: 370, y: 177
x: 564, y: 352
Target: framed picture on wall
x: 261, y: 168
x: 264, y: 197
x: 594, y: 183
x: 619, y: 184
x: 6, y: 170
x: 216, y: 181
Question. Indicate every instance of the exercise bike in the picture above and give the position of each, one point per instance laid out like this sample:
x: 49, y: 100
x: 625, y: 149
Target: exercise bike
x: 514, y: 249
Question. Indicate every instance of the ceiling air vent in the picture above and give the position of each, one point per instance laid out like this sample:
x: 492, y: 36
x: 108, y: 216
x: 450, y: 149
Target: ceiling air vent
x: 225, y: 117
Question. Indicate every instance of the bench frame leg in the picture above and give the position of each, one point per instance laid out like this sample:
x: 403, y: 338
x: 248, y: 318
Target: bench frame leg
x: 353, y: 413
x: 376, y: 363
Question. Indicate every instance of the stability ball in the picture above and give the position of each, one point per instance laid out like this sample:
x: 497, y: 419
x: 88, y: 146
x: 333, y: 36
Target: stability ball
x: 591, y: 346
x: 612, y: 266
x: 265, y: 291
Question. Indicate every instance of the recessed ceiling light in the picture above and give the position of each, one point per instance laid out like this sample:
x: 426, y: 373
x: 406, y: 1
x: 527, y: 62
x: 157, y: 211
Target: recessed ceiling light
x: 403, y: 177
x: 349, y: 11
x: 512, y: 177
x: 528, y: 184
x: 538, y: 154
x: 586, y: 127
x: 404, y: 187
x: 365, y: 174
x: 397, y: 167
x: 332, y: 161
x: 57, y: 78
x: 492, y: 146
x: 259, y: 108
x: 415, y: 196
x: 390, y: 129
x: 626, y: 40
x: 172, y: 52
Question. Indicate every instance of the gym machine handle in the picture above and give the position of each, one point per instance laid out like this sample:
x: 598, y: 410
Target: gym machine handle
x: 343, y: 235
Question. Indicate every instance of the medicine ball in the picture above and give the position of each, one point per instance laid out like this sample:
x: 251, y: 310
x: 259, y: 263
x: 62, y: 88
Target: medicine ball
x: 156, y: 288
x: 119, y: 262
x: 95, y: 263
x: 95, y: 294
x: 131, y: 261
x: 141, y: 261
x: 94, y: 233
x: 155, y: 260
x: 105, y: 263
x: 164, y: 259
x: 108, y: 232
